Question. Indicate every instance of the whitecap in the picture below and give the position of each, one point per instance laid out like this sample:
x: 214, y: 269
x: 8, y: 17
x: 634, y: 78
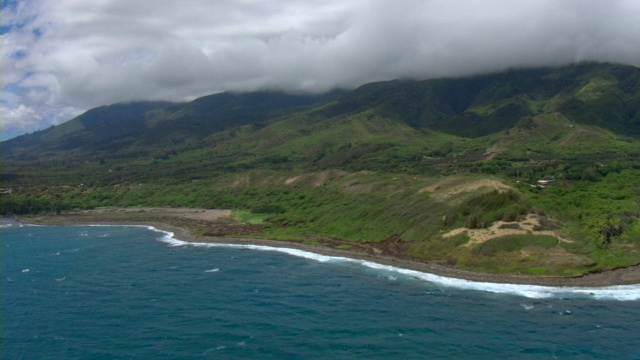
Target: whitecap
x: 615, y: 292
x: 527, y: 306
x: 212, y: 270
x: 217, y: 348
x: 25, y: 270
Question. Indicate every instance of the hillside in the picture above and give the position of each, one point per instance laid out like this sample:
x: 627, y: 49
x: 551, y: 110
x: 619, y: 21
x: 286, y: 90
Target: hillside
x: 156, y: 124
x: 441, y: 170
x: 108, y: 122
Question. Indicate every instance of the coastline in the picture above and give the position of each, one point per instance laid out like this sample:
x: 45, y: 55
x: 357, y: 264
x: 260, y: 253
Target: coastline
x: 625, y: 276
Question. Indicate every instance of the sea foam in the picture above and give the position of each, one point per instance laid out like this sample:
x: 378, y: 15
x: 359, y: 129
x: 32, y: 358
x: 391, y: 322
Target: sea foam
x: 616, y: 292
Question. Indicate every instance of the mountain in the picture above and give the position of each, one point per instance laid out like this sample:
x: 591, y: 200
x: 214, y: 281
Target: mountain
x: 548, y: 159
x: 157, y: 122
x: 591, y: 94
x: 105, y: 122
x: 602, y: 95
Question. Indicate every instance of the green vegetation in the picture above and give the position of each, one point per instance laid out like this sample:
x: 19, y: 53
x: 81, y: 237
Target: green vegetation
x: 391, y: 165
x: 249, y: 217
x: 483, y: 210
x: 527, y: 254
x: 510, y: 243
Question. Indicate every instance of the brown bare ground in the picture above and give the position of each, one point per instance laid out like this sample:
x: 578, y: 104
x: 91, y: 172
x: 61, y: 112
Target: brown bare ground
x: 194, y: 214
x: 292, y: 180
x: 554, y: 256
x: 443, y: 190
x: 523, y: 227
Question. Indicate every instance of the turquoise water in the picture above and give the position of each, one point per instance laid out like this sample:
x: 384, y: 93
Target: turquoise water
x: 133, y: 293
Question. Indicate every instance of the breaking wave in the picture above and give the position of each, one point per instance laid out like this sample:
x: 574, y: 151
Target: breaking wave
x: 616, y: 292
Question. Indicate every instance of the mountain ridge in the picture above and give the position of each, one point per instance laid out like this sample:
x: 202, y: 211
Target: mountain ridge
x: 468, y: 107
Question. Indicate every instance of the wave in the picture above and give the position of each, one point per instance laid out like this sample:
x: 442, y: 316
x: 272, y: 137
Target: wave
x: 616, y: 292
x: 10, y: 223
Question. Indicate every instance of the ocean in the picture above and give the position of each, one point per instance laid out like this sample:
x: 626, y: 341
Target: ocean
x: 123, y: 292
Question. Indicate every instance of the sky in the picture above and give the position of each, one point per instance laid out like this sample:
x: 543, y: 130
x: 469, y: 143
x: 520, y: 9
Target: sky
x: 61, y: 58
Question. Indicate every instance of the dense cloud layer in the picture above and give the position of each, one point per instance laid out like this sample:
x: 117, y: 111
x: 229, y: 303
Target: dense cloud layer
x: 62, y: 57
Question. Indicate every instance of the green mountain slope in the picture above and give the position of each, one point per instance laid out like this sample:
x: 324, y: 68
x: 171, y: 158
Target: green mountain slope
x: 441, y: 170
x: 157, y: 124
x: 105, y: 122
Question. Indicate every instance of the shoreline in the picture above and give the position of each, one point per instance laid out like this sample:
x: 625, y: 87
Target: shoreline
x: 625, y: 276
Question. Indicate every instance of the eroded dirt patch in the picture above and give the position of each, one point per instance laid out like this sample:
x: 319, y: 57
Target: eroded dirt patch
x: 502, y: 228
x: 447, y: 189
x: 292, y: 180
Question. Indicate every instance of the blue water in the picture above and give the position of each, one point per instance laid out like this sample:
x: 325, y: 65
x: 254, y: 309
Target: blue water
x: 133, y: 293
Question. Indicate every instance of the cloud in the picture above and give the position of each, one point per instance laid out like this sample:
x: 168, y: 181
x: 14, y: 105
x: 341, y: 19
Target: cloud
x: 75, y: 54
x: 22, y: 117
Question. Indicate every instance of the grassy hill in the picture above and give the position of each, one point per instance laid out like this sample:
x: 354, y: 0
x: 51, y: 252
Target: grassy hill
x: 440, y: 170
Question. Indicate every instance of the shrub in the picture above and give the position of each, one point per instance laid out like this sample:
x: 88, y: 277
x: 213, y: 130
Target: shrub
x: 484, y: 209
x: 268, y: 209
x: 513, y: 243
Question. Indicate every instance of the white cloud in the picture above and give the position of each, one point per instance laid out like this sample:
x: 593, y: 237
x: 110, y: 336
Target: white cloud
x: 76, y: 54
x: 21, y: 117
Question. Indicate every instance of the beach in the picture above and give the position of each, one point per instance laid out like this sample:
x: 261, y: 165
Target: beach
x: 162, y: 219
